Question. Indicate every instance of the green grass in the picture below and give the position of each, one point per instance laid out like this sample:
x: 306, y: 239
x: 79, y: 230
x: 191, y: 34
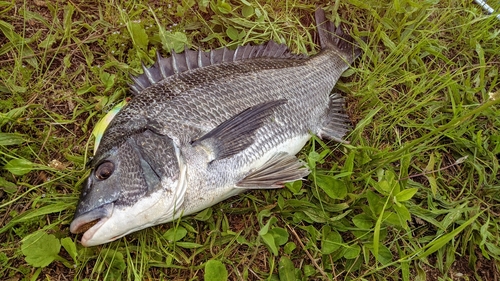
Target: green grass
x: 414, y: 196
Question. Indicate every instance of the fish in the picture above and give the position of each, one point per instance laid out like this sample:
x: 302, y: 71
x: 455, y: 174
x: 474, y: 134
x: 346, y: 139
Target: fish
x: 203, y: 126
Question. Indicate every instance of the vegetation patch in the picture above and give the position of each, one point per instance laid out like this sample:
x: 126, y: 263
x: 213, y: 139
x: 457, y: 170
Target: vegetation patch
x: 414, y: 195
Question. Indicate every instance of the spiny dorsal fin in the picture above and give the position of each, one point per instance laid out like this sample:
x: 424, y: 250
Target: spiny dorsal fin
x: 190, y: 59
x: 281, y: 168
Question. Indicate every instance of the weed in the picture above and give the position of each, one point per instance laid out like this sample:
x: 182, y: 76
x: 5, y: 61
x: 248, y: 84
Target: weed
x: 413, y: 196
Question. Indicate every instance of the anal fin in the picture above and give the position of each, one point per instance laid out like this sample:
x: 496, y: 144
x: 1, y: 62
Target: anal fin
x: 336, y: 123
x: 237, y: 133
x: 281, y: 168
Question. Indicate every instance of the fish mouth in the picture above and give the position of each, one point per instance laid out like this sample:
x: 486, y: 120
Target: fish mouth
x: 89, y: 222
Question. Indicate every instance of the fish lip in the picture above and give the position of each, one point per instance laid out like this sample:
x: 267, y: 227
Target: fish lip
x: 102, y: 213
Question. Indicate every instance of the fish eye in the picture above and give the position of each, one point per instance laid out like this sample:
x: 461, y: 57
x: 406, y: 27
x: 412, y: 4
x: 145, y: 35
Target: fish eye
x: 105, y: 170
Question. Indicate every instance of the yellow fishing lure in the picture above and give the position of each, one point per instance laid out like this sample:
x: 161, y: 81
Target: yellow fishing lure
x: 102, y: 124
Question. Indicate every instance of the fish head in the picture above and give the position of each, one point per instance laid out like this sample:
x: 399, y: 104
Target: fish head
x: 138, y: 184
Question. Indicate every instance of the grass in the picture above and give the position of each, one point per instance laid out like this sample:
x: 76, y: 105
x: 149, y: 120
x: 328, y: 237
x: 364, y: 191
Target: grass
x: 414, y: 196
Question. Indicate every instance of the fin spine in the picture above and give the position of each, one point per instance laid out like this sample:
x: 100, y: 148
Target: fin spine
x: 190, y: 59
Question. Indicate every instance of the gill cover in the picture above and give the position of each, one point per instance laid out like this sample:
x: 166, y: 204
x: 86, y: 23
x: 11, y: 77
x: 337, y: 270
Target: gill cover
x: 131, y: 179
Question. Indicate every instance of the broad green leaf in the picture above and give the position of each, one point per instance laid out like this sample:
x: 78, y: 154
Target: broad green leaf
x: 315, y: 234
x: 175, y: 234
x: 313, y: 158
x: 269, y: 240
x: 308, y: 270
x: 40, y: 249
x: 281, y: 202
x: 179, y: 41
x: 286, y: 269
x: 334, y: 188
x: 19, y: 166
x: 455, y: 215
x: 11, y: 139
x: 48, y: 41
x: 493, y: 248
x: 375, y: 202
x: 138, y: 35
x: 392, y: 218
x: 383, y: 187
x: 265, y: 228
x: 294, y: 186
x: 294, y: 203
x: 258, y: 13
x: 331, y: 241
x: 387, y: 183
x: 363, y: 221
x: 203, y: 4
x: 247, y: 11
x: 12, y: 115
x: 352, y: 252
x: 107, y: 79
x: 485, y: 234
x: 232, y: 33
x: 406, y: 194
x: 86, y: 89
x: 316, y: 215
x: 115, y: 264
x: 8, y: 30
x: 289, y: 247
x: 224, y: 7
x: 280, y: 235
x: 204, y: 215
x: 70, y: 247
x: 403, y: 214
x: 384, y: 255
x: 215, y: 271
x: 7, y: 186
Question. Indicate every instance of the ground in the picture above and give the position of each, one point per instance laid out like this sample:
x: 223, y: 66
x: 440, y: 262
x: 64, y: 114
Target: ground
x: 414, y: 195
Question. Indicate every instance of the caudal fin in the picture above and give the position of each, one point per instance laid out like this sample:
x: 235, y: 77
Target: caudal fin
x: 334, y: 37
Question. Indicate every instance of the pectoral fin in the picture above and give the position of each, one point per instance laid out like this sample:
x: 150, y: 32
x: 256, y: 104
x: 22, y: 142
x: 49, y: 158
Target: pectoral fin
x: 278, y: 170
x: 237, y: 133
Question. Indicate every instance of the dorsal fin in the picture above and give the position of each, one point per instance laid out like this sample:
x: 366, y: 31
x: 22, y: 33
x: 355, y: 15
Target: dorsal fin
x: 190, y: 59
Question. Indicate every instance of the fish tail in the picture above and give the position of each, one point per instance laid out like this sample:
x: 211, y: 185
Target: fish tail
x: 332, y: 37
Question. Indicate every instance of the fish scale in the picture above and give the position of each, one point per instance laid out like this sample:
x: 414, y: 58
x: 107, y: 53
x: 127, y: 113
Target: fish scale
x: 190, y: 107
x: 204, y: 126
x: 268, y: 136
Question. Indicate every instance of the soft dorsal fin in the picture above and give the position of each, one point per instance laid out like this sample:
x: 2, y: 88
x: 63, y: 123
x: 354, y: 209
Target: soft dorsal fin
x: 190, y: 59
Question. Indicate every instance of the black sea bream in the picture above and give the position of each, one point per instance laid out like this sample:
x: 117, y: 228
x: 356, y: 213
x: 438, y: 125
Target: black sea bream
x: 204, y: 126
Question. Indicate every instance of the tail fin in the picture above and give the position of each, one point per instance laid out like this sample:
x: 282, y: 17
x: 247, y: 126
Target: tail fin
x: 334, y: 37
